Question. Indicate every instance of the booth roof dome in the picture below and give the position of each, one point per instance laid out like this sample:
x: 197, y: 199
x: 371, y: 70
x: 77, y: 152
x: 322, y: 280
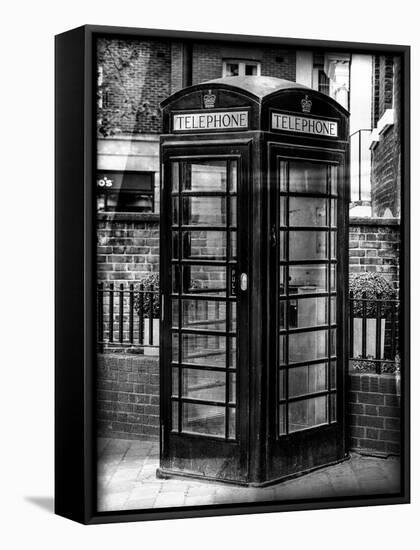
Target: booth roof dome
x: 260, y: 86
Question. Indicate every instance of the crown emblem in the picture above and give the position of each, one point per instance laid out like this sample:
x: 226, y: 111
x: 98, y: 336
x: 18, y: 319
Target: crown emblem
x: 306, y: 104
x: 209, y: 100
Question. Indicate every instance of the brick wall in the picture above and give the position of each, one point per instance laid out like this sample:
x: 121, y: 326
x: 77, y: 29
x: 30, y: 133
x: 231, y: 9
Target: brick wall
x: 128, y: 396
x: 374, y: 245
x: 127, y: 246
x: 373, y: 406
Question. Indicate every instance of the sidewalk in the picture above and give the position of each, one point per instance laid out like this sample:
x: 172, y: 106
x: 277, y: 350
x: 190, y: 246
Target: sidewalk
x: 127, y: 480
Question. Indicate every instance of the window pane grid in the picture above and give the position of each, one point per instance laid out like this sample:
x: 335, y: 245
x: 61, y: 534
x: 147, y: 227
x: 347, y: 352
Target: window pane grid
x: 305, y: 291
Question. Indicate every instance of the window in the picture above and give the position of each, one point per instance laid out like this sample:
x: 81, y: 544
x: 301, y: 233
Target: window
x: 124, y: 191
x: 234, y: 67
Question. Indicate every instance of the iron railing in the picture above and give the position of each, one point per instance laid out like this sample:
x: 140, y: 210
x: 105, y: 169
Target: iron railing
x: 374, y: 334
x: 127, y: 317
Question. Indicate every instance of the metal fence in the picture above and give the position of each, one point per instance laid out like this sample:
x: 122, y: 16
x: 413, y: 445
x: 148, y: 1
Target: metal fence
x: 128, y: 317
x: 374, y: 329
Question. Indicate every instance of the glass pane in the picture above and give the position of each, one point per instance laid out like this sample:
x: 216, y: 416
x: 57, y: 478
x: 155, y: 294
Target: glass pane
x: 333, y: 222
x: 333, y: 278
x: 308, y: 413
x: 207, y: 176
x: 282, y: 245
x: 308, y: 379
x: 308, y: 346
x: 233, y: 221
x: 204, y: 279
x: 334, y: 174
x: 333, y: 310
x: 232, y: 352
x: 282, y: 419
x: 305, y: 211
x: 232, y: 69
x: 250, y: 70
x: 307, y: 278
x: 232, y: 324
x: 282, y: 350
x: 204, y: 384
x: 174, y: 416
x: 203, y: 419
x: 307, y: 177
x: 233, y: 245
x: 204, y: 211
x: 282, y: 384
x: 175, y: 347
x: 333, y: 238
x: 333, y: 375
x: 204, y: 245
x: 233, y: 181
x: 232, y: 423
x: 175, y: 177
x: 333, y: 350
x: 175, y: 217
x: 204, y: 349
x: 282, y: 315
x: 283, y: 171
x: 175, y: 279
x: 204, y: 314
x: 282, y: 279
x: 175, y: 382
x: 175, y: 313
x: 282, y: 214
x: 308, y: 245
x: 308, y: 312
x: 333, y: 404
x: 232, y: 387
x: 175, y: 245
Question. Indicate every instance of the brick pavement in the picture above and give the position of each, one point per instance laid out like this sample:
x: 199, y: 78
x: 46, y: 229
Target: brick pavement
x: 127, y: 480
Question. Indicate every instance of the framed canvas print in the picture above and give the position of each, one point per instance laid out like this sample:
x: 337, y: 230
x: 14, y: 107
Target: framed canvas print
x: 232, y: 274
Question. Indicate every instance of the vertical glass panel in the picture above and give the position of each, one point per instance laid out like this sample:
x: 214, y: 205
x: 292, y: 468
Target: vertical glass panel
x: 175, y: 177
x: 175, y: 417
x: 310, y: 312
x: 282, y: 280
x: 204, y: 211
x: 282, y: 213
x: 175, y: 382
x: 333, y: 221
x: 232, y: 423
x: 333, y: 346
x: 232, y: 352
x: 175, y: 213
x: 333, y: 375
x: 308, y: 413
x: 207, y: 385
x: 334, y: 175
x: 204, y: 279
x: 204, y: 349
x: 308, y: 245
x: 175, y: 313
x: 204, y: 315
x: 204, y: 245
x: 282, y: 349
x: 307, y: 278
x: 333, y: 278
x: 333, y: 244
x: 282, y: 245
x: 206, y: 176
x: 175, y: 347
x: 175, y: 245
x: 233, y: 218
x: 305, y: 211
x: 308, y: 346
x: 233, y: 176
x: 333, y: 405
x: 283, y: 170
x: 232, y: 387
x: 282, y: 315
x: 282, y: 384
x: 203, y: 419
x: 308, y: 379
x: 232, y: 321
x: 282, y: 419
x: 333, y: 310
x: 175, y: 279
x: 233, y: 245
x: 307, y: 177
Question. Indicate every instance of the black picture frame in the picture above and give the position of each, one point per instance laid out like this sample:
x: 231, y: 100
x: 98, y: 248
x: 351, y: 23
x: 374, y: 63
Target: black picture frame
x: 75, y: 165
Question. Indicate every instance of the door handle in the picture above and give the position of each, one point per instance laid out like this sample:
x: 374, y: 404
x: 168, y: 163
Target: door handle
x: 244, y: 281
